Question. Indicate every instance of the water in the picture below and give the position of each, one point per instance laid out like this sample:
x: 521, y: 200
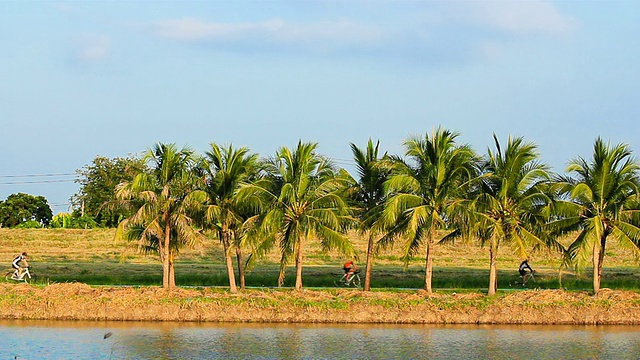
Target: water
x: 85, y: 340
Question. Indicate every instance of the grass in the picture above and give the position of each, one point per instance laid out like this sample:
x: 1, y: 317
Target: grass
x: 93, y: 257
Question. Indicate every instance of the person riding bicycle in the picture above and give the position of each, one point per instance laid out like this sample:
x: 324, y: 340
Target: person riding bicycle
x: 20, y: 263
x: 349, y: 269
x: 525, y: 269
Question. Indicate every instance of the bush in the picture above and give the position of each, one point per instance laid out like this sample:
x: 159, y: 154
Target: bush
x: 69, y: 221
x: 30, y: 224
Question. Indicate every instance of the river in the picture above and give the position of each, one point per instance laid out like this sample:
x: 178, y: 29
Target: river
x: 118, y: 340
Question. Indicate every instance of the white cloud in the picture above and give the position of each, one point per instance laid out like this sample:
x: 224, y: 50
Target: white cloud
x: 94, y: 48
x: 272, y: 32
x: 432, y: 31
x: 520, y: 17
x: 191, y: 29
x: 490, y: 49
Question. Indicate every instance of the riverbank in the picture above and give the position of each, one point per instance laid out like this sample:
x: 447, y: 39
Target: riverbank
x: 75, y: 301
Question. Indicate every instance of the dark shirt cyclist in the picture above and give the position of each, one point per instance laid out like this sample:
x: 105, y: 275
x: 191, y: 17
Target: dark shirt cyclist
x: 524, y: 269
x: 20, y: 263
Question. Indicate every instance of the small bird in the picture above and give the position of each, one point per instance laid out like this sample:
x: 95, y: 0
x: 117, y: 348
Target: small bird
x: 107, y: 335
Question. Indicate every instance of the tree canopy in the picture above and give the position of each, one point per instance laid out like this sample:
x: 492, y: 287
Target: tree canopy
x: 440, y: 190
x: 603, y: 203
x: 164, y: 200
x: 98, y: 182
x: 20, y: 208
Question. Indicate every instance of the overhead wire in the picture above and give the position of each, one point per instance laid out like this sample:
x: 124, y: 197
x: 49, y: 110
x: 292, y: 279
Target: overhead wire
x: 30, y: 178
x: 36, y: 175
x: 338, y: 161
x: 37, y: 182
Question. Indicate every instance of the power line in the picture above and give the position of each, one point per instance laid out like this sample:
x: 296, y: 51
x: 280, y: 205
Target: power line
x: 37, y: 182
x: 338, y: 161
x: 36, y: 175
x: 342, y: 161
x: 59, y: 205
x: 31, y: 178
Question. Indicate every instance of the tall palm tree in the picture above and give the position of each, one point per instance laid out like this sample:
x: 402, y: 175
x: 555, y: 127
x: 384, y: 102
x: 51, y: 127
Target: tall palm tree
x: 602, y: 203
x: 424, y: 193
x: 510, y: 205
x: 302, y: 199
x: 369, y: 197
x: 167, y: 206
x: 227, y: 169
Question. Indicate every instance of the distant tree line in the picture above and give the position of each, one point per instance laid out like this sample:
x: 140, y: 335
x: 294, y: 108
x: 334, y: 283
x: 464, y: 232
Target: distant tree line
x: 24, y: 210
x: 438, y: 191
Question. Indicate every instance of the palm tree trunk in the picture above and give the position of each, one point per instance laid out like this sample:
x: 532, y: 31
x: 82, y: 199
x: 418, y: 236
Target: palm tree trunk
x: 603, y: 243
x: 493, y: 269
x: 299, y: 265
x: 172, y: 272
x: 165, y: 267
x: 165, y: 254
x: 240, y: 267
x: 367, y: 270
x: 596, y: 267
x: 281, y: 274
x: 429, y: 267
x: 224, y: 236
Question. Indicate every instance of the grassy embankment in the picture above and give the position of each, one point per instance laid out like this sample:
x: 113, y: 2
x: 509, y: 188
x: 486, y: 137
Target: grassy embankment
x: 68, y: 260
x: 92, y: 257
x: 75, y: 301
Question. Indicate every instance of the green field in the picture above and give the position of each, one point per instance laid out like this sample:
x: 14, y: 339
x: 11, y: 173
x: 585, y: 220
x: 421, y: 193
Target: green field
x: 93, y: 257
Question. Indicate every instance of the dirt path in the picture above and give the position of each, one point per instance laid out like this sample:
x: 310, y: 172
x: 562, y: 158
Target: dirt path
x: 74, y: 301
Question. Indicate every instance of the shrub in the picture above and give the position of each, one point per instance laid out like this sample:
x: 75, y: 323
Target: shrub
x: 69, y: 221
x: 29, y: 224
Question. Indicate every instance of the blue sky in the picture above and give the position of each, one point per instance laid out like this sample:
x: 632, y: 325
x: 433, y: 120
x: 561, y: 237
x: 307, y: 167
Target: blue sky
x: 81, y: 79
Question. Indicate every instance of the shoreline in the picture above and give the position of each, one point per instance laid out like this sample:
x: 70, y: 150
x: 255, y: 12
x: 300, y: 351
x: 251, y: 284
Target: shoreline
x: 76, y: 301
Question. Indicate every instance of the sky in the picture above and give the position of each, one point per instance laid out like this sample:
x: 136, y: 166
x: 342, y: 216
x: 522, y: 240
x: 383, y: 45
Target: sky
x: 86, y: 79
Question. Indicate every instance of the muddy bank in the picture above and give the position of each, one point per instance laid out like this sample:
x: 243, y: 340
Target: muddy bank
x: 75, y: 301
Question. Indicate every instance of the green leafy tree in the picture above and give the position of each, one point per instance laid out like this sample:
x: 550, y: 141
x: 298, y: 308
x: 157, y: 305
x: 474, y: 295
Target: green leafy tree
x: 302, y: 199
x: 425, y: 192
x: 98, y: 182
x: 20, y: 208
x: 72, y: 221
x: 601, y: 203
x: 368, y: 197
x: 511, y: 206
x: 227, y: 169
x: 167, y: 204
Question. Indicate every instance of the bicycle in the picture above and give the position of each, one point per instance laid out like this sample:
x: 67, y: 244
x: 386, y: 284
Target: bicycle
x: 528, y: 276
x: 13, y: 275
x: 354, y: 280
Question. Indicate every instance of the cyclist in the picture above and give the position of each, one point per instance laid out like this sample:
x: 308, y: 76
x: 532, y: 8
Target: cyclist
x: 18, y: 263
x: 525, y: 270
x: 349, y: 269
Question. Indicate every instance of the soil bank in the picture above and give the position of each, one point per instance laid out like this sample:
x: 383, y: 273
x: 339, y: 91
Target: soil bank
x: 75, y: 301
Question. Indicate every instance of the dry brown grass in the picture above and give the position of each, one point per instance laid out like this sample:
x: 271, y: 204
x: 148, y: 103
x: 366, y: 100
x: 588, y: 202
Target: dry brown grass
x: 80, y: 245
x: 58, y: 247
x: 73, y: 301
x: 51, y: 245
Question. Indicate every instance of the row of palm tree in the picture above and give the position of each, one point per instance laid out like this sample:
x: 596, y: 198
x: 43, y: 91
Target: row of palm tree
x: 439, y: 191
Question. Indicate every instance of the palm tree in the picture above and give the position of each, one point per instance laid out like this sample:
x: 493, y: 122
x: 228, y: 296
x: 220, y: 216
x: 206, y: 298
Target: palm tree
x: 302, y: 198
x: 424, y: 194
x: 510, y: 205
x: 166, y: 205
x: 369, y: 197
x: 227, y: 170
x: 603, y: 203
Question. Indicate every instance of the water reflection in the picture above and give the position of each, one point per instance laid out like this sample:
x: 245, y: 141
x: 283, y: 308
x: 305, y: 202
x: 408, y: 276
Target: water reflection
x: 85, y: 340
